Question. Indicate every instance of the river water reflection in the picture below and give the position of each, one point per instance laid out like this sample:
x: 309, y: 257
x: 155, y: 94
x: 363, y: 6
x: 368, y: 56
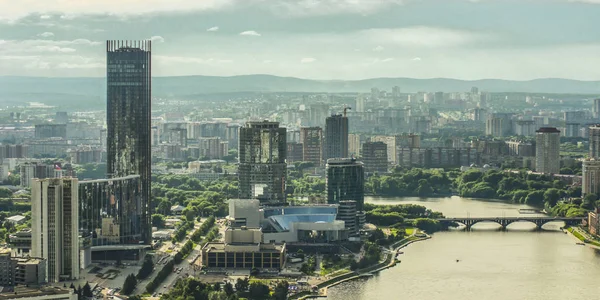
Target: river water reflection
x: 514, y: 264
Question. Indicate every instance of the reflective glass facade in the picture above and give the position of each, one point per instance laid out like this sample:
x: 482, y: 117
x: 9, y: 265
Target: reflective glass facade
x: 110, y: 210
x: 128, y: 75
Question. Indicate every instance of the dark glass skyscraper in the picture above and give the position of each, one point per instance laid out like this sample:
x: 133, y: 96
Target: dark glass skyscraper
x: 262, y: 170
x: 345, y: 181
x: 336, y: 137
x: 129, y: 90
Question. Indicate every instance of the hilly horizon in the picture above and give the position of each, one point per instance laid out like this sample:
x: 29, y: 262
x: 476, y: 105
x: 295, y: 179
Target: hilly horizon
x: 15, y: 90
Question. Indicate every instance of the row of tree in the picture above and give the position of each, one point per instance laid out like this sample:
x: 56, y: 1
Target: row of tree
x: 191, y: 288
x: 410, y: 182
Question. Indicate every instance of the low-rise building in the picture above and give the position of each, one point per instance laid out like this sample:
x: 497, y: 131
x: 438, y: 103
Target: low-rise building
x: 29, y: 270
x: 47, y: 293
x: 243, y: 249
x: 16, y: 220
x: 20, y: 242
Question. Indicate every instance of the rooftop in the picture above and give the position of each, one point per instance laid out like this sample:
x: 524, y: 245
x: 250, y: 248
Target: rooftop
x: 17, y: 218
x: 220, y: 247
x: 25, y: 292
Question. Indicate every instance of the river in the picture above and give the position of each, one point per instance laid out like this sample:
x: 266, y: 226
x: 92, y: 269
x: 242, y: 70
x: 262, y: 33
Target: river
x: 515, y: 264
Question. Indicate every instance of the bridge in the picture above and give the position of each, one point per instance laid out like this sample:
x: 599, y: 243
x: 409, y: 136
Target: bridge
x: 505, y: 221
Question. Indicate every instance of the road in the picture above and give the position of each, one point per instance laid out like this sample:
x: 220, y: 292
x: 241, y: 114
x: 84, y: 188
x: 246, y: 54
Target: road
x: 189, y: 266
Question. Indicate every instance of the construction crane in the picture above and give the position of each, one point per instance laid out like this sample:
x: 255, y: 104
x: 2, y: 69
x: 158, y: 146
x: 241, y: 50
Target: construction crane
x: 346, y: 108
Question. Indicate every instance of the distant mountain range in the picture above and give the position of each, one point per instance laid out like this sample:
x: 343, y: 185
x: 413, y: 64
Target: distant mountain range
x: 90, y: 91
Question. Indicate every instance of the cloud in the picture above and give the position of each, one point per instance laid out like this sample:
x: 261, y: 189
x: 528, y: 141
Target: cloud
x: 43, y: 46
x: 378, y: 49
x: 46, y: 34
x: 214, y: 28
x: 267, y: 61
x: 423, y: 36
x: 157, y: 39
x: 332, y: 7
x: 68, y: 8
x: 48, y: 48
x: 416, y: 59
x: 47, y: 8
x: 250, y: 33
x: 187, y: 59
x: 308, y: 60
x: 66, y: 65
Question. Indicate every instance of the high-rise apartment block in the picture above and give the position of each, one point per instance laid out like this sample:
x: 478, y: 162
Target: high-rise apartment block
x: 129, y: 92
x: 594, y: 133
x: 336, y: 137
x: 354, y: 145
x: 312, y: 144
x: 262, y: 169
x: 29, y: 171
x: 375, y: 157
x: 45, y: 131
x: 295, y: 153
x: 345, y: 181
x: 525, y: 127
x: 590, y: 183
x: 547, y: 152
x: 596, y: 108
x: 55, y: 226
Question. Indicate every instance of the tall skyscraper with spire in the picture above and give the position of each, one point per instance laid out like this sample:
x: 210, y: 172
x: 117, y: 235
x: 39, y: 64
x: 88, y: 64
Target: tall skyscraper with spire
x: 128, y: 114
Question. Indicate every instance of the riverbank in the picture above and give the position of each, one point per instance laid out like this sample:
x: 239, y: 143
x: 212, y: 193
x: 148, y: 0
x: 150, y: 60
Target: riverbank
x: 388, y: 262
x: 580, y: 235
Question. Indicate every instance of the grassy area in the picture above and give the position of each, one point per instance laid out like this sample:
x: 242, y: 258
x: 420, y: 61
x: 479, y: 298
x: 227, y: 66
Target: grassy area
x: 409, y: 231
x: 582, y: 238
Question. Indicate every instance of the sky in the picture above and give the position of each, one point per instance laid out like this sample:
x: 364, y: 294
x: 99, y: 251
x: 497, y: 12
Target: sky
x: 315, y: 39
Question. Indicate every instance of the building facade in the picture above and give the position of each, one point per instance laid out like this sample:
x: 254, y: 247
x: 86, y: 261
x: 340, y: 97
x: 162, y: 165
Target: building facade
x: 312, y: 144
x: 336, y: 137
x: 590, y: 181
x: 295, y: 152
x: 128, y: 115
x: 262, y: 169
x: 55, y: 226
x: 375, y: 157
x: 7, y: 270
x: 345, y: 181
x: 547, y: 150
x: 110, y: 211
x: 45, y: 131
x: 594, y: 135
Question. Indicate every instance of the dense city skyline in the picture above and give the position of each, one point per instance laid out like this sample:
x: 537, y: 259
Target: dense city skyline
x: 307, y: 39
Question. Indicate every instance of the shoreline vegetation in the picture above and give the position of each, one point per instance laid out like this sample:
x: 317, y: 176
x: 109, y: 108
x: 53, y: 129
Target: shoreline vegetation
x: 556, y: 197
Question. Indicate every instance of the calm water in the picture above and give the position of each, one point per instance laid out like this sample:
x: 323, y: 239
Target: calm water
x: 516, y: 264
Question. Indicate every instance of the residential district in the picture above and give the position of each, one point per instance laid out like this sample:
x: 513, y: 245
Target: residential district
x: 258, y: 195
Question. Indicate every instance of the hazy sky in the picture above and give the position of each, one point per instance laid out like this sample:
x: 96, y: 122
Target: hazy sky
x: 320, y: 39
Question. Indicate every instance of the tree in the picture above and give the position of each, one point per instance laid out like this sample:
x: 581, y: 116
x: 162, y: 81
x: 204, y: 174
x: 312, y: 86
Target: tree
x: 241, y: 285
x: 589, y: 200
x: 87, y: 291
x: 158, y: 221
x: 5, y: 193
x: 259, y: 291
x: 129, y: 285
x: 281, y: 290
x: 214, y: 295
x: 535, y: 198
x: 228, y: 289
x: 551, y: 196
x: 147, y: 267
x: 428, y: 225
